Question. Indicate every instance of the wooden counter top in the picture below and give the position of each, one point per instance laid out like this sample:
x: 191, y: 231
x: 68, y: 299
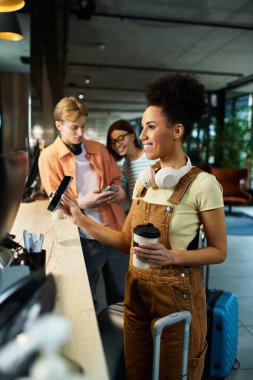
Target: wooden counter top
x: 64, y: 259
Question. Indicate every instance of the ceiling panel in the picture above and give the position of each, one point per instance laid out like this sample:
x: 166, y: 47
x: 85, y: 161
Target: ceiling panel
x: 127, y: 44
x: 211, y: 39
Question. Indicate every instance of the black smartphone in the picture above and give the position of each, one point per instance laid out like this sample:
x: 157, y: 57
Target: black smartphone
x: 64, y: 185
x: 111, y: 188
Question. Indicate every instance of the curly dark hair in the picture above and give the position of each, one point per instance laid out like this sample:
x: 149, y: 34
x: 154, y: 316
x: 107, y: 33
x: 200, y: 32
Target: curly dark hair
x: 120, y: 125
x: 182, y: 98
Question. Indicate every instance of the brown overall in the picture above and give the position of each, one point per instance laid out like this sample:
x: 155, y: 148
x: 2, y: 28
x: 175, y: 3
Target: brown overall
x: 158, y: 291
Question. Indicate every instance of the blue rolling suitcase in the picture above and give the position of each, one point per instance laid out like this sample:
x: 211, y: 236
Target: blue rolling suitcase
x: 222, y: 332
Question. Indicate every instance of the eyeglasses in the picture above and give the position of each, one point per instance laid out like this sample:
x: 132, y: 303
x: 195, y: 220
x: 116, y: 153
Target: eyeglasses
x: 119, y: 140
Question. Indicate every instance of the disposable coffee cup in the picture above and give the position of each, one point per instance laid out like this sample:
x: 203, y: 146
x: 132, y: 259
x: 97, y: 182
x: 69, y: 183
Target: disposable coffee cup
x: 144, y: 233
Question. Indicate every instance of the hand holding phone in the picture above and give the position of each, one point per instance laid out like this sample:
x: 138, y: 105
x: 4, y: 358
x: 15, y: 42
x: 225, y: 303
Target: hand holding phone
x: 111, y: 188
x: 64, y: 185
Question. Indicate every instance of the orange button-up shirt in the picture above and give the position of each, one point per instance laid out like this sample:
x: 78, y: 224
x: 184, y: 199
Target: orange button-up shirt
x: 57, y: 160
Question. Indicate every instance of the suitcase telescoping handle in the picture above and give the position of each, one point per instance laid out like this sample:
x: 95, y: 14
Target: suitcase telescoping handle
x: 158, y: 328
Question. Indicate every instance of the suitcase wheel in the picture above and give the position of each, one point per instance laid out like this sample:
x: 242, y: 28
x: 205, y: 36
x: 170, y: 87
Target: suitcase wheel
x: 236, y: 364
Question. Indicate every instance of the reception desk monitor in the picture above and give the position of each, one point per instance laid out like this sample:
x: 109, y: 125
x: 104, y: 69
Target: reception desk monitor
x: 13, y: 174
x: 11, y: 274
x: 16, y: 296
x: 32, y: 179
x: 20, y: 306
x: 23, y: 302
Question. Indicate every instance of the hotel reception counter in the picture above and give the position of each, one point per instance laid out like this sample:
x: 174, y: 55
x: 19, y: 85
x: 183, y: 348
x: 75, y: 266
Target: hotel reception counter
x: 64, y: 259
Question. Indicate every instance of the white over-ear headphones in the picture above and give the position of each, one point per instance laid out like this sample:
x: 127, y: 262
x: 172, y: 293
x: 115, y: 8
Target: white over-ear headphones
x: 165, y: 178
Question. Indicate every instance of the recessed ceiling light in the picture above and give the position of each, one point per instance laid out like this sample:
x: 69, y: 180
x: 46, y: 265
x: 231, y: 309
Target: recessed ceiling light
x: 87, y: 80
x: 80, y: 96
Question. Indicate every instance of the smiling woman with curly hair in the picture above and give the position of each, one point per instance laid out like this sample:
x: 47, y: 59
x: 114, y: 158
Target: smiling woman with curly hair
x: 177, y: 198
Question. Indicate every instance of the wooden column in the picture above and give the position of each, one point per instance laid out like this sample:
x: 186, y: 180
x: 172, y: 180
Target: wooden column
x: 14, y: 92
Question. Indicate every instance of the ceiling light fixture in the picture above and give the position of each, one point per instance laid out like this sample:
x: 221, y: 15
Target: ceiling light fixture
x: 11, y: 5
x: 86, y: 9
x: 9, y: 27
x: 87, y: 80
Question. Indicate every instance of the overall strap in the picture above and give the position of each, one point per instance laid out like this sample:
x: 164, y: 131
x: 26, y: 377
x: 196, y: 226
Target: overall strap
x: 178, y: 194
x: 183, y: 185
x: 174, y: 200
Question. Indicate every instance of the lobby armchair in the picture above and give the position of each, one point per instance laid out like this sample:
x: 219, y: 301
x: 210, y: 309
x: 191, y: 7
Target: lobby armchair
x: 231, y: 181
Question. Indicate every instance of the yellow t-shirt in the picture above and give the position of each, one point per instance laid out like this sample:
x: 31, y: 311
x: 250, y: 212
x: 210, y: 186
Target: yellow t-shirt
x: 204, y: 193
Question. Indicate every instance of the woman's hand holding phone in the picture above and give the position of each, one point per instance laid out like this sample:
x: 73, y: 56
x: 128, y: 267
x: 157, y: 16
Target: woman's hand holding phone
x: 70, y: 207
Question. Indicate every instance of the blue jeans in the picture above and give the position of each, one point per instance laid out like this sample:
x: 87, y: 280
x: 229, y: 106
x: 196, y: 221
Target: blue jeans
x: 111, y: 263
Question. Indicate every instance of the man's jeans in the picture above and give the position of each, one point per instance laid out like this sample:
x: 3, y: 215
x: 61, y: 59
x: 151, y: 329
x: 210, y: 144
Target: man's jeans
x: 111, y: 263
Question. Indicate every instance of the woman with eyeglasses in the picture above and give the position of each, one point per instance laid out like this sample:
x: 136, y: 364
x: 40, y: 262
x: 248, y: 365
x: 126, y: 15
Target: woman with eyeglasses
x: 177, y: 198
x: 123, y: 143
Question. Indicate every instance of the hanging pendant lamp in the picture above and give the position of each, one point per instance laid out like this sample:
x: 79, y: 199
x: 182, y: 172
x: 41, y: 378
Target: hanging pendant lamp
x: 9, y: 27
x: 11, y: 5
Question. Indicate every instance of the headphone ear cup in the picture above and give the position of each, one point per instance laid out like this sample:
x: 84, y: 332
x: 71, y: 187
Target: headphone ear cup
x: 166, y: 178
x: 147, y: 177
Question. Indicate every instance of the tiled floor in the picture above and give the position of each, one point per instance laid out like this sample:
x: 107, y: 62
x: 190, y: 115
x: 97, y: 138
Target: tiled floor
x: 234, y: 275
